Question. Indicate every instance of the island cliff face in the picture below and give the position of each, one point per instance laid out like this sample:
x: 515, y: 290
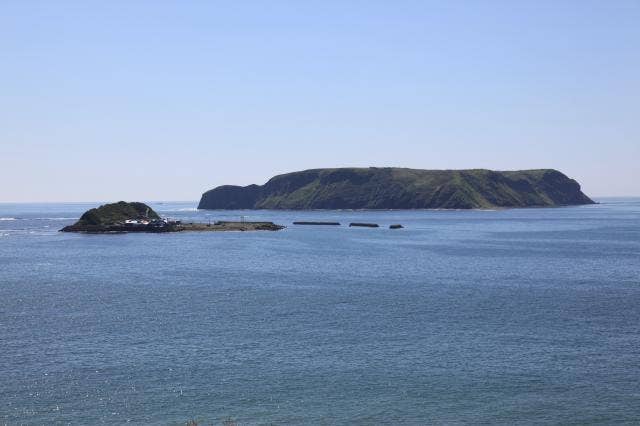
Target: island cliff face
x: 400, y: 188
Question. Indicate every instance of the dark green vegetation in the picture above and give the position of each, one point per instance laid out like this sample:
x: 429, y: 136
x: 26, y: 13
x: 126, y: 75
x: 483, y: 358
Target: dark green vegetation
x: 110, y: 214
x: 112, y: 217
x: 399, y: 188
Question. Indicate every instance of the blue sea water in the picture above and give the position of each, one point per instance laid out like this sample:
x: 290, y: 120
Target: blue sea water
x: 524, y: 316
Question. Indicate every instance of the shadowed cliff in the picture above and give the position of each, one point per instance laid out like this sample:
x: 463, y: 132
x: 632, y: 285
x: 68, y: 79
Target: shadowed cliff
x: 399, y: 188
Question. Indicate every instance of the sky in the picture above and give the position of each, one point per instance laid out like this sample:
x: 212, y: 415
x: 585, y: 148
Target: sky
x: 158, y: 100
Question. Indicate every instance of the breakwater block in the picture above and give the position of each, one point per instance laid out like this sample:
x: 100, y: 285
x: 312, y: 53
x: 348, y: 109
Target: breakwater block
x: 396, y: 226
x: 316, y: 223
x: 366, y: 225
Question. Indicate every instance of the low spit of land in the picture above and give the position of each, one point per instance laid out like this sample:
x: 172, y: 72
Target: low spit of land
x: 230, y: 226
x: 181, y: 227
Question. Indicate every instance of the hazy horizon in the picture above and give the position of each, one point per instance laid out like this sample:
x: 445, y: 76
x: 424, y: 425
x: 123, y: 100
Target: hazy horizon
x: 149, y: 101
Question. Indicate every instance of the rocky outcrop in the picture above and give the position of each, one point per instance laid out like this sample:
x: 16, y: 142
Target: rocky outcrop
x: 399, y: 188
x: 119, y: 217
x: 125, y: 217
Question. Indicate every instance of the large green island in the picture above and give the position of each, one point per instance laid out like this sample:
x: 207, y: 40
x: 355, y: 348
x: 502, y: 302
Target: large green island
x: 123, y: 217
x: 401, y: 188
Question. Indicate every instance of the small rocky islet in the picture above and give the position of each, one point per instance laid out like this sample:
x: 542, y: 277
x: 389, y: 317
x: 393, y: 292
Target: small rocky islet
x: 124, y: 217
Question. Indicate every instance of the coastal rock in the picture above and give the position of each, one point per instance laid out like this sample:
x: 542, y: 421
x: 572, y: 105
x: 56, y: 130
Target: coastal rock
x: 400, y: 188
x: 125, y: 217
x: 113, y: 217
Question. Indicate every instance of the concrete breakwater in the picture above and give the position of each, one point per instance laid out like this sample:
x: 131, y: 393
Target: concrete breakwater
x: 355, y: 224
x: 316, y: 223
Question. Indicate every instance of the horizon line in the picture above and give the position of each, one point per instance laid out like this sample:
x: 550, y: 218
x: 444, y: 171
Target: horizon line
x: 196, y: 201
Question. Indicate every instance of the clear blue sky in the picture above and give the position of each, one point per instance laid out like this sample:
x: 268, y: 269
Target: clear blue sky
x: 163, y: 100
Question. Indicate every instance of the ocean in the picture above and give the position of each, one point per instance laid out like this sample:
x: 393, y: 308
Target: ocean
x: 522, y: 316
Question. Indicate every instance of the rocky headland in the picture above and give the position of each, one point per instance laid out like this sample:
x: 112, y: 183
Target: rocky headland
x: 124, y: 217
x: 400, y: 188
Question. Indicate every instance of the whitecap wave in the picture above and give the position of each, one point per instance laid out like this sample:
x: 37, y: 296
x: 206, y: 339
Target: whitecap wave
x: 8, y: 218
